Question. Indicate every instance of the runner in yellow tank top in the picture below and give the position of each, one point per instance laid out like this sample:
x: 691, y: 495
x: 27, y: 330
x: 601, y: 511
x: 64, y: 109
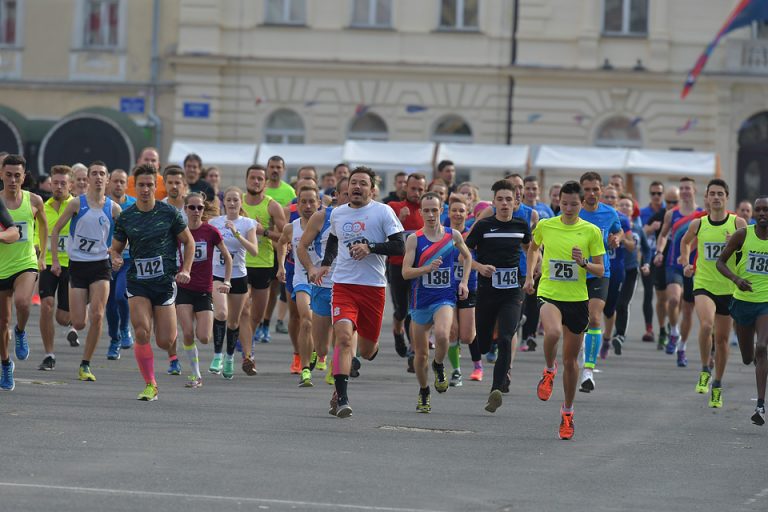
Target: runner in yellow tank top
x: 712, y: 292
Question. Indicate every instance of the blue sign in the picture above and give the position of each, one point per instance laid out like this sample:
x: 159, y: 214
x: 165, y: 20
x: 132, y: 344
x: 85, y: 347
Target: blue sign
x: 132, y: 105
x: 197, y: 109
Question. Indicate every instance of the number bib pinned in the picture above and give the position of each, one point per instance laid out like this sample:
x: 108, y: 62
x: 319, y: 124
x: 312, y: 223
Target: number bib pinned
x: 63, y: 243
x: 149, y: 268
x: 505, y: 278
x: 23, y: 231
x: 440, y: 278
x: 85, y: 245
x: 757, y: 263
x: 712, y: 250
x: 563, y: 270
x: 201, y: 251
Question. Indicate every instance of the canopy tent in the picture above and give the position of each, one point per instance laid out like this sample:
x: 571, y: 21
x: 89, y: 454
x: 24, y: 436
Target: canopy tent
x: 581, y: 158
x: 297, y: 155
x: 390, y: 156
x: 485, y: 156
x: 214, y: 153
x: 666, y: 163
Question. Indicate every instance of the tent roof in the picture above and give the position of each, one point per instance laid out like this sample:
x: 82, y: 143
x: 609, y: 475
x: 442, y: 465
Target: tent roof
x: 653, y: 162
x: 296, y: 155
x: 581, y: 158
x: 485, y: 156
x: 213, y: 153
x: 390, y: 156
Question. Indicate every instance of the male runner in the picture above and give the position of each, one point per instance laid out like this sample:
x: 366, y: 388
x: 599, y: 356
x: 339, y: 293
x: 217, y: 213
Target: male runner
x: 656, y: 204
x: 176, y: 187
x: 531, y: 197
x: 572, y: 250
x: 193, y: 181
x: 149, y: 156
x: 79, y: 179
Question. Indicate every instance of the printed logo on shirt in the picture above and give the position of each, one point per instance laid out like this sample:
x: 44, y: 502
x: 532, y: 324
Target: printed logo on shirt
x: 353, y: 227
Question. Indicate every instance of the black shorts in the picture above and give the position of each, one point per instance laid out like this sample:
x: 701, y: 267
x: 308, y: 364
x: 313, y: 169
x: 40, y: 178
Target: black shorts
x: 722, y: 302
x: 399, y: 291
x: 260, y: 277
x: 158, y: 294
x: 84, y: 273
x: 239, y: 284
x: 50, y: 286
x: 7, y: 283
x: 200, y: 301
x: 659, y: 277
x: 575, y: 314
x: 597, y: 288
x: 469, y: 302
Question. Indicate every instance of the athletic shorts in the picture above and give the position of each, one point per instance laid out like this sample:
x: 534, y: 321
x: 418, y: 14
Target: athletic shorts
x: 676, y: 276
x: 321, y: 301
x: 597, y: 288
x: 575, y: 314
x: 239, y: 284
x: 200, y: 301
x: 286, y: 288
x: 360, y: 304
x: 259, y: 277
x: 50, y: 286
x: 306, y: 288
x: 82, y: 274
x: 158, y: 294
x: 659, y: 277
x: 722, y: 302
x: 746, y: 313
x: 7, y: 283
x: 425, y: 316
x: 469, y: 302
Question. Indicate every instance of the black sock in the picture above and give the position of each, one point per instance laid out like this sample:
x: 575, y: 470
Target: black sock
x: 85, y: 362
x: 341, y: 387
x: 219, y: 333
x: 706, y: 368
x: 716, y: 384
x: 424, y: 391
x: 265, y: 324
x: 662, y: 330
x: 6, y: 362
x: 18, y: 331
x: 232, y: 335
x: 474, y: 350
x: 760, y: 401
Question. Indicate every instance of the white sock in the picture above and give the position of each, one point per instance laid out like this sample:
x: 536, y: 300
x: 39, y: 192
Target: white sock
x: 587, y: 374
x: 194, y: 359
x: 674, y: 330
x: 681, y: 346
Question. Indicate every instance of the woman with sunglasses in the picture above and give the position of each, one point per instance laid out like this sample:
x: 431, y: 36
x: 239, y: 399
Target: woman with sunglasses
x: 194, y: 303
x: 239, y: 234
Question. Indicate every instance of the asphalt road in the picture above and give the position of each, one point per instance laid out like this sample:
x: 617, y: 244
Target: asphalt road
x: 644, y: 439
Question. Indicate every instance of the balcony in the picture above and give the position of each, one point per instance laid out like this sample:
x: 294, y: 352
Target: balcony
x: 747, y: 56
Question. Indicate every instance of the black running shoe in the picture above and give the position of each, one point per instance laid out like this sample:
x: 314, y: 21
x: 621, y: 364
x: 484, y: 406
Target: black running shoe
x: 505, y: 385
x: 400, y: 347
x: 354, y: 372
x: 48, y: 364
x: 410, y: 368
x: 531, y: 344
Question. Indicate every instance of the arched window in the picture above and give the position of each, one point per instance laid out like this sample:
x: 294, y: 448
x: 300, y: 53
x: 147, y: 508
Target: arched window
x: 284, y: 127
x: 368, y: 126
x: 452, y: 128
x: 618, y: 132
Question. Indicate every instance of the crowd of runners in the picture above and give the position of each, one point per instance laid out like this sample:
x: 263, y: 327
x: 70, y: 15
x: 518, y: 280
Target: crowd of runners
x: 152, y: 249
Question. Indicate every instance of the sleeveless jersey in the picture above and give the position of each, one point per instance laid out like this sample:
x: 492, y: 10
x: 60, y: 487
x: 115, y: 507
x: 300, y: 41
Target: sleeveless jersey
x: 299, y: 272
x: 260, y: 213
x: 20, y: 255
x: 52, y: 216
x: 680, y: 224
x: 437, y: 285
x: 235, y: 248
x: 458, y: 267
x: 711, y: 242
x: 90, y: 232
x: 317, y: 249
x: 753, y: 266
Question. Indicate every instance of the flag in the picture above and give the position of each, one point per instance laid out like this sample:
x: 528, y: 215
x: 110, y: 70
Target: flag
x: 310, y: 103
x: 361, y: 109
x: 690, y: 124
x: 636, y: 121
x: 533, y: 118
x: 743, y: 15
x: 415, y: 109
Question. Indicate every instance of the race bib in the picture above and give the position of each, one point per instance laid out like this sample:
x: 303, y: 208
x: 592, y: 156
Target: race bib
x: 458, y: 272
x: 86, y: 245
x: 505, y: 278
x: 757, y: 263
x: 23, y: 231
x: 712, y: 250
x: 62, y: 245
x: 440, y: 278
x: 201, y: 251
x: 611, y: 254
x: 563, y: 270
x: 221, y: 257
x: 149, y: 268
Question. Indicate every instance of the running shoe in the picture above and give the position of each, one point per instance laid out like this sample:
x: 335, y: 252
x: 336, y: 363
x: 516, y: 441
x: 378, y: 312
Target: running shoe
x: 566, y: 425
x: 354, y: 371
x: 85, y: 374
x: 343, y: 410
x: 493, y: 354
x: 321, y: 365
x: 759, y: 417
x: 410, y: 368
x: 682, y: 361
x: 400, y: 347
x: 48, y: 364
x: 506, y: 383
x: 194, y: 382
x: 494, y: 401
x: 334, y: 404
x: 703, y: 385
x: 716, y: 398
x: 648, y: 337
x: 605, y: 347
x: 531, y: 343
x: 329, y: 379
x: 228, y: 370
x: 296, y: 365
x: 587, y: 383
x: 216, y: 364
x: 662, y: 340
x: 312, y: 361
x: 6, y: 377
x: 174, y: 368
x: 265, y: 336
x: 456, y: 379
x: 441, y: 383
x: 149, y: 394
x: 258, y: 334
x: 239, y: 346
x: 306, y: 378
x: 126, y: 339
x: 423, y: 403
x: 672, y: 344
x: 618, y: 344
x: 280, y: 327
x: 22, y: 345
x: 73, y: 339
x: 477, y: 374
x: 113, y: 352
x: 249, y: 366
x: 546, y: 383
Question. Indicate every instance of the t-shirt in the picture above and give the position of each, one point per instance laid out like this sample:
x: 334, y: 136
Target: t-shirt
x: 201, y: 278
x: 607, y: 220
x: 411, y: 224
x: 561, y: 278
x: 153, y: 238
x: 544, y: 211
x: 204, y: 187
x: 656, y: 216
x: 282, y: 194
x: 374, y: 222
x: 499, y: 243
x: 618, y: 255
x: 236, y: 250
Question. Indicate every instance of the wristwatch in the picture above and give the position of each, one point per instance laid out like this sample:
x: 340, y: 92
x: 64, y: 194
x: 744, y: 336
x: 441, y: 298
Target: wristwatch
x: 236, y: 234
x: 584, y: 263
x: 227, y: 284
x: 371, y: 246
x: 266, y: 232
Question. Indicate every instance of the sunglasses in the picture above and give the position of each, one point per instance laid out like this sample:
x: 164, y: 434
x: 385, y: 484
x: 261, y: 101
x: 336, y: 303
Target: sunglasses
x: 672, y: 202
x: 195, y: 207
x: 656, y: 193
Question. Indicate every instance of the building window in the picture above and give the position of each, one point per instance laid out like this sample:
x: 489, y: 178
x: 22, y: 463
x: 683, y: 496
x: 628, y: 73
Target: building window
x: 8, y: 22
x: 372, y: 13
x: 102, y: 19
x: 626, y: 17
x: 452, y: 128
x: 459, y: 14
x: 368, y: 127
x: 287, y: 12
x: 618, y: 132
x: 284, y: 127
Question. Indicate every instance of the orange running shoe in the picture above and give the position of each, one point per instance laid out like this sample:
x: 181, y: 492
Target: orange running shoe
x: 296, y: 365
x: 544, y: 389
x: 477, y: 374
x: 566, y: 425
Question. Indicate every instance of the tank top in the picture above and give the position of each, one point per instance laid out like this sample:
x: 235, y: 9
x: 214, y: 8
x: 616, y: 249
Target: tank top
x: 299, y: 272
x: 680, y: 224
x: 753, y: 266
x: 90, y: 232
x: 235, y: 248
x: 20, y: 255
x: 318, y: 248
x: 711, y: 242
x: 437, y: 285
x: 260, y: 212
x: 52, y: 216
x: 458, y: 267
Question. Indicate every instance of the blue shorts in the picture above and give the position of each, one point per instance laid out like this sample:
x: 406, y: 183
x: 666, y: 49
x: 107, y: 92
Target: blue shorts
x: 425, y: 315
x: 306, y: 288
x: 745, y: 313
x: 321, y: 301
x: 289, y: 270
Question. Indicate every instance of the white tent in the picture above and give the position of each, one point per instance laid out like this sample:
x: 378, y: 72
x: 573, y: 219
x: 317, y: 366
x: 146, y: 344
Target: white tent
x: 390, y: 156
x: 485, y: 156
x: 297, y: 155
x: 581, y: 158
x: 666, y: 163
x: 214, y: 153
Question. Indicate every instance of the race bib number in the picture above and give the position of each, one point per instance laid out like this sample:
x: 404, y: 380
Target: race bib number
x: 201, y: 251
x: 712, y: 250
x: 611, y: 254
x: 62, y: 245
x: 440, y: 278
x: 563, y: 270
x: 505, y: 278
x: 221, y: 257
x: 458, y: 272
x: 149, y: 268
x: 757, y: 263
x: 86, y: 245
x: 23, y: 231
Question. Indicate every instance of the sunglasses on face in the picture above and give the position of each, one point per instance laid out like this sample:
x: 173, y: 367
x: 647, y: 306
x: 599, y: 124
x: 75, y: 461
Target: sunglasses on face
x: 672, y: 202
x: 195, y: 207
x: 656, y: 193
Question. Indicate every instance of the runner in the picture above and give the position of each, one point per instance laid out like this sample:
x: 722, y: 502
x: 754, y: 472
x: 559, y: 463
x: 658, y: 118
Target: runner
x: 498, y: 241
x: 712, y: 291
x: 194, y: 304
x: 368, y: 232
x: 572, y: 250
x: 433, y: 292
x: 656, y: 205
x: 239, y: 234
x: 152, y: 228
x: 92, y: 218
x: 79, y: 179
x: 744, y: 210
x: 749, y: 307
x: 193, y: 180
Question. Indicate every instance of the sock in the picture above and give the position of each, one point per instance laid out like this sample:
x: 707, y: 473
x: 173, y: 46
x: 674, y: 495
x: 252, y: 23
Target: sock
x: 478, y: 365
x: 18, y: 331
x: 424, y: 391
x: 194, y: 359
x: 265, y: 324
x: 50, y: 354
x: 232, y: 335
x: 649, y: 327
x: 587, y: 373
x: 146, y: 361
x: 437, y: 367
x: 681, y: 346
x: 716, y: 384
x: 662, y: 330
x: 706, y: 368
x: 761, y: 402
x: 567, y: 410
x: 85, y: 362
x: 551, y: 369
x: 591, y: 346
x: 219, y: 333
x: 335, y: 357
x: 173, y: 358
x: 454, y: 354
x: 340, y: 381
x: 6, y: 362
x: 674, y: 330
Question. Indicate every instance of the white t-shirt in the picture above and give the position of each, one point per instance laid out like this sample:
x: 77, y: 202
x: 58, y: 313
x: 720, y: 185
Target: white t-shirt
x: 235, y: 248
x: 374, y: 222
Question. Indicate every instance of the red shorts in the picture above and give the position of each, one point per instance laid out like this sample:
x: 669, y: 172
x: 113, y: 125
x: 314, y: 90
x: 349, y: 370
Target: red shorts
x: 362, y: 305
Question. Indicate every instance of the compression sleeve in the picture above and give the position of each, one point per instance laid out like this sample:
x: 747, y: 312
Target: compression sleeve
x: 394, y: 246
x: 5, y: 216
x: 331, y: 249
